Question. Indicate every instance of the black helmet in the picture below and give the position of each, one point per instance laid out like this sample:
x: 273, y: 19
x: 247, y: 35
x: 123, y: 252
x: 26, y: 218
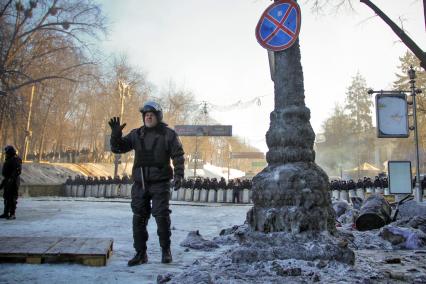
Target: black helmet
x: 10, y: 150
x: 152, y: 107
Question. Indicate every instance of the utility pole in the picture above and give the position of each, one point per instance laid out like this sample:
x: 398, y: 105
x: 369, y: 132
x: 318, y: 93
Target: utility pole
x: 123, y: 91
x: 27, y: 130
x: 418, y: 194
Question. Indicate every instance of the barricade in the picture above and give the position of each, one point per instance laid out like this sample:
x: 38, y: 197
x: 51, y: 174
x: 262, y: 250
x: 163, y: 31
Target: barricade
x: 68, y: 190
x: 196, y: 195
x: 189, y: 194
x: 101, y: 190
x: 336, y: 194
x: 88, y: 190
x: 344, y: 195
x: 181, y: 195
x: 212, y: 196
x: 108, y: 190
x: 240, y: 196
x: 360, y: 193
x: 95, y: 189
x: 175, y: 194
x: 128, y: 193
x: 80, y: 190
x: 204, y: 195
x: 116, y: 187
x: 221, y: 195
x: 386, y: 191
x: 246, y: 196
x: 229, y: 195
x: 378, y: 190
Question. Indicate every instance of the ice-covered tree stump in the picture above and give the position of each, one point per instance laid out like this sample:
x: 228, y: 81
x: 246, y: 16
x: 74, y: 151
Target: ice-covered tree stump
x: 292, y: 216
x: 291, y: 193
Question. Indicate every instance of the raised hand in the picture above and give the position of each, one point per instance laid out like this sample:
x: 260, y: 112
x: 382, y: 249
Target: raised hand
x: 116, y: 128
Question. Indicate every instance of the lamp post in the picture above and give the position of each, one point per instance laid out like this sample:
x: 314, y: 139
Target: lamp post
x: 123, y: 91
x: 418, y: 192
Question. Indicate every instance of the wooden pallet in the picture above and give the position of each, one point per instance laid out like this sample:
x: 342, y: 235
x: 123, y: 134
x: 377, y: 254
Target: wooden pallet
x: 37, y: 250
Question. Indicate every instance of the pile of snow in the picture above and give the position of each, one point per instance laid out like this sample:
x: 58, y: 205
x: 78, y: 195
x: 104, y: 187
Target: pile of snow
x: 45, y: 173
x: 212, y: 171
x: 56, y: 173
x: 104, y: 218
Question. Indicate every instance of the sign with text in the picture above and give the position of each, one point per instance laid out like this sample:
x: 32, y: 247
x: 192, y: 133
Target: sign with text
x: 204, y: 130
x: 247, y: 155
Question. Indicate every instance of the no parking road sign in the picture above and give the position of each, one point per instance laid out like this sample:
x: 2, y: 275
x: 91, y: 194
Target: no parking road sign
x: 279, y: 26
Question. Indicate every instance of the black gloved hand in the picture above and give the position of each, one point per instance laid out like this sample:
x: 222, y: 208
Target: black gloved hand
x: 116, y: 128
x: 177, y: 183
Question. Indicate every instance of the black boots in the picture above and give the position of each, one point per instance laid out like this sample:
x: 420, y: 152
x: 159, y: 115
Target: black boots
x: 140, y: 258
x: 4, y: 215
x: 166, y: 256
x: 164, y: 233
x: 11, y: 217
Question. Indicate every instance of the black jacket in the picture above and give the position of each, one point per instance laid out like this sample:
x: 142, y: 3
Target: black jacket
x: 154, y: 147
x: 11, y: 171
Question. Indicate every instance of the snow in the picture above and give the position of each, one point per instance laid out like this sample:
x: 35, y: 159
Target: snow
x: 56, y: 173
x: 212, y: 171
x: 106, y: 219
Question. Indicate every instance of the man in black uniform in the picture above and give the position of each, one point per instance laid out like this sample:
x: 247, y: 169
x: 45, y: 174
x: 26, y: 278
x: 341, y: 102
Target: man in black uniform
x: 154, y: 144
x: 11, y: 171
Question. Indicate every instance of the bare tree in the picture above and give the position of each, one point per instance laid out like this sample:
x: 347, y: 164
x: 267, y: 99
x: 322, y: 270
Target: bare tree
x: 34, y: 32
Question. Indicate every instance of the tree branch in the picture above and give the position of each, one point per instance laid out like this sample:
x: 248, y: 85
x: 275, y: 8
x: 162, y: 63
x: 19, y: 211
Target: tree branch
x: 418, y: 52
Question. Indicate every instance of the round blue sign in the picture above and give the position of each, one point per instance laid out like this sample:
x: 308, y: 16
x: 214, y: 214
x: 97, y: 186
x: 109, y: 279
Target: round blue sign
x: 279, y: 26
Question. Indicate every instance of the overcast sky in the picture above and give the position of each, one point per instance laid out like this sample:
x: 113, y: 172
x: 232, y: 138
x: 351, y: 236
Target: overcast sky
x: 209, y: 47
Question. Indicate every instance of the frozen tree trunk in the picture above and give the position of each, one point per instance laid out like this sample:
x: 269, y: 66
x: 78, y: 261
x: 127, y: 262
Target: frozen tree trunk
x: 291, y: 193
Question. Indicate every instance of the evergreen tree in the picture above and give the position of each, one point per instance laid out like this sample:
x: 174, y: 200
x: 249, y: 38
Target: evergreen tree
x: 335, y: 154
x: 359, y: 104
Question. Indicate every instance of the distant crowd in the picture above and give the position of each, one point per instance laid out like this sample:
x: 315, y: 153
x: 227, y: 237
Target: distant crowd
x: 213, y: 183
x: 365, y: 183
x: 94, y: 180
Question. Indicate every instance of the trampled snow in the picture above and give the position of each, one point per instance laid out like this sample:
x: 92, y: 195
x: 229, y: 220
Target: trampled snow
x: 92, y: 218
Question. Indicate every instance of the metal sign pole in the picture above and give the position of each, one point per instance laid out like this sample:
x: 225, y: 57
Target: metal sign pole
x: 418, y: 193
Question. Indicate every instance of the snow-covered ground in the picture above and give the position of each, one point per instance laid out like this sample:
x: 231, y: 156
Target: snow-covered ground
x: 213, y: 171
x: 106, y: 219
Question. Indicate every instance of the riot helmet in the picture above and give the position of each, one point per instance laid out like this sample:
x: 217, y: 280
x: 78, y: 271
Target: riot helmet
x: 152, y: 107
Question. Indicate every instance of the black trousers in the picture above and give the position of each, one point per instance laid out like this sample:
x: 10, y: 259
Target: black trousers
x: 10, y: 196
x: 154, y: 199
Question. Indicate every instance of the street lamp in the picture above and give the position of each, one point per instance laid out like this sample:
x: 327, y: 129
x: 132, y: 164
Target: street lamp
x: 418, y: 193
x: 123, y: 92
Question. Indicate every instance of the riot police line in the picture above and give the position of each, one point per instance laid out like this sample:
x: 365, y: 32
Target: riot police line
x: 106, y: 187
x: 193, y: 190
x: 345, y: 189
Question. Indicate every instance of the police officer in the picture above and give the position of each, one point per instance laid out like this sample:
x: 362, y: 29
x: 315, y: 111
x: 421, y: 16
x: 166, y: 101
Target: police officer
x: 11, y: 171
x: 154, y: 145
